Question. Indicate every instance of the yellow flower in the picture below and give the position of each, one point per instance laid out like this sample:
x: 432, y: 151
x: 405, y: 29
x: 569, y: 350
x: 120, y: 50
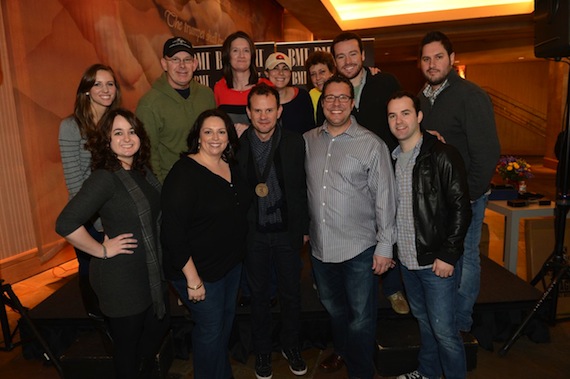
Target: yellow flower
x: 516, y: 165
x: 509, y: 168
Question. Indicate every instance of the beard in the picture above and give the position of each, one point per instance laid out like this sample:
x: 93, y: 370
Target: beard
x: 437, y: 80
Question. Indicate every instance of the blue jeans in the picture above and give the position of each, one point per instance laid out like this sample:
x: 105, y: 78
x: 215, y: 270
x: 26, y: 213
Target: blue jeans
x: 349, y: 293
x: 267, y: 253
x: 433, y: 301
x: 213, y: 318
x: 468, y: 268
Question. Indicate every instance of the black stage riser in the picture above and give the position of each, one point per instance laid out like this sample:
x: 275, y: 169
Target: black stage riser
x: 503, y: 297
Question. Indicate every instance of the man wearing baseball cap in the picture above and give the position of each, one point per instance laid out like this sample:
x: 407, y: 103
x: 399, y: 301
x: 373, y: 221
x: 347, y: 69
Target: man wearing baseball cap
x: 172, y: 105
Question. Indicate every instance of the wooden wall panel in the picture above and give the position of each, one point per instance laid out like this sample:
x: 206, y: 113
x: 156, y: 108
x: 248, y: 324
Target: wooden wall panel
x: 16, y: 227
x: 45, y: 46
x: 526, y: 83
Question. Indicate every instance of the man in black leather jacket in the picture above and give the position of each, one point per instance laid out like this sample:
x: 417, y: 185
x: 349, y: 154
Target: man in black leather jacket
x: 433, y: 215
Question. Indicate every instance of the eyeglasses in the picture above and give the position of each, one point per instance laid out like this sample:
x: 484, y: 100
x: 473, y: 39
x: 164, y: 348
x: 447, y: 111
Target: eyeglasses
x: 341, y: 98
x: 177, y: 60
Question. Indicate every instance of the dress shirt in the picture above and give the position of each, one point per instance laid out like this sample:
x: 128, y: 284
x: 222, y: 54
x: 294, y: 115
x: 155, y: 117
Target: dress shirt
x: 351, y: 193
x: 405, y: 162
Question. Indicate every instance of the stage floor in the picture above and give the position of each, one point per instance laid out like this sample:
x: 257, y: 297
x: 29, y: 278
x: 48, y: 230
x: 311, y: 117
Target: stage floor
x: 500, y: 289
x: 501, y: 292
x: 502, y: 297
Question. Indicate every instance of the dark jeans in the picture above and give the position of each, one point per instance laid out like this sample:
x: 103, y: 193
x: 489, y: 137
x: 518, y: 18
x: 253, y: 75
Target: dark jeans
x: 136, y: 339
x: 392, y: 281
x: 265, y: 251
x: 349, y: 293
x: 468, y: 269
x: 213, y: 318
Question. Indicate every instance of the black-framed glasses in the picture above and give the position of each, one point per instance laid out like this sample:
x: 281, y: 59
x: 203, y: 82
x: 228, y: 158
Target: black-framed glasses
x: 341, y: 98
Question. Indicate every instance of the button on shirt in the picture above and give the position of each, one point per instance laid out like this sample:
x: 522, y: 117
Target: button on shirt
x: 351, y: 193
x: 405, y: 162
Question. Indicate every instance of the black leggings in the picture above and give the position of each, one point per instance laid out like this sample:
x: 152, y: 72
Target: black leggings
x: 136, y: 339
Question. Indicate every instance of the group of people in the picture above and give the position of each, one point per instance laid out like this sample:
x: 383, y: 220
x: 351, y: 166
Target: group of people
x: 198, y: 186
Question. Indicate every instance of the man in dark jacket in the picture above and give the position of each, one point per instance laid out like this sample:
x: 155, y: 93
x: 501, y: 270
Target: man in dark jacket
x: 273, y: 161
x: 433, y: 215
x: 462, y: 113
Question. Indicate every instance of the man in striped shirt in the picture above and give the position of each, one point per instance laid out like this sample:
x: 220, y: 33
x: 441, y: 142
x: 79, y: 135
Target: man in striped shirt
x: 352, y: 208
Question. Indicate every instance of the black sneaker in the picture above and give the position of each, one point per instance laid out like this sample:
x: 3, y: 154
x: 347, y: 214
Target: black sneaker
x: 296, y: 363
x: 263, y: 366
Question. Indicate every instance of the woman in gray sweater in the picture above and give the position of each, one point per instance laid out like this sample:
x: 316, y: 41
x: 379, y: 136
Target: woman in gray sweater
x: 97, y: 92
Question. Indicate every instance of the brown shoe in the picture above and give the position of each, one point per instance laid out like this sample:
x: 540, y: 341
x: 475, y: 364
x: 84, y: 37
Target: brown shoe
x: 399, y: 303
x: 332, y: 363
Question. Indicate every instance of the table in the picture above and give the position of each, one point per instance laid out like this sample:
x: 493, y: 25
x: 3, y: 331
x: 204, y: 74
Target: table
x: 513, y: 215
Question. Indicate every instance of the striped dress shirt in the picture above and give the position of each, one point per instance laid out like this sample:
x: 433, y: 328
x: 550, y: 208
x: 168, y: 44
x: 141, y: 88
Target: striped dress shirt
x: 351, y: 193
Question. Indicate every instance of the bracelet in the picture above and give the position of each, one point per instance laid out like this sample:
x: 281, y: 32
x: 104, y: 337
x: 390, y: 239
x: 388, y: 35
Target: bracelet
x: 197, y: 286
x: 104, y: 252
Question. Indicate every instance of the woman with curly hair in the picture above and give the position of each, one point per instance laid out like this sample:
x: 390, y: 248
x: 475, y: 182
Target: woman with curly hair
x: 97, y: 92
x: 126, y: 273
x: 204, y: 204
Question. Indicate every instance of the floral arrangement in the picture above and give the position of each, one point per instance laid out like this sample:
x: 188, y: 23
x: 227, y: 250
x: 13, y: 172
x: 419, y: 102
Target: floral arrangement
x: 512, y: 169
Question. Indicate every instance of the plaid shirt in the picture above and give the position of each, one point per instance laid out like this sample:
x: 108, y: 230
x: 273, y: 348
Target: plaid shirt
x: 432, y: 94
x: 407, y: 253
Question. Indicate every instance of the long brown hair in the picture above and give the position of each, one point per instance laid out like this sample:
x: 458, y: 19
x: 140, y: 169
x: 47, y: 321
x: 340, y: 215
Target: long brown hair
x: 82, y: 111
x: 227, y: 67
x: 102, y: 157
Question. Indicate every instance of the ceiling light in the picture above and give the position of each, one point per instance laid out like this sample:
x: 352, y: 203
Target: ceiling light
x: 361, y: 14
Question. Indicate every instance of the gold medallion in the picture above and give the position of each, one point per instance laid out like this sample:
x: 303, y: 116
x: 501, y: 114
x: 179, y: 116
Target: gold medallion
x: 261, y: 190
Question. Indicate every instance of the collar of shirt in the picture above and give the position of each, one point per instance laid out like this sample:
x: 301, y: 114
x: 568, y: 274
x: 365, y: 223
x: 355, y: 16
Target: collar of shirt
x: 324, y: 129
x: 398, y: 150
x: 358, y: 88
x: 432, y: 94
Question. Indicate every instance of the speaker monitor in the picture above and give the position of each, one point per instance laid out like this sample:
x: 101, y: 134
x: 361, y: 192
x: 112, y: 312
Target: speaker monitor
x: 551, y: 30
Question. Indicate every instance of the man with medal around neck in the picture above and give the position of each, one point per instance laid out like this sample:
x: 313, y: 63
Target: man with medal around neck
x: 273, y: 161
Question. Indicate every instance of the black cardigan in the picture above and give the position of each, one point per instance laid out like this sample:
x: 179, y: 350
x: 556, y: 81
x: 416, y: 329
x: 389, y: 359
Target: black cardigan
x: 203, y: 217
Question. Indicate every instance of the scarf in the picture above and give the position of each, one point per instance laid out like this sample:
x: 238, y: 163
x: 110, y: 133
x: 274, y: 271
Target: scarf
x: 270, y: 206
x: 152, y: 248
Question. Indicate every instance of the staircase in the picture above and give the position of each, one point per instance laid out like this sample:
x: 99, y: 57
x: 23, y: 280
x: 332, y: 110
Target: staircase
x: 530, y: 119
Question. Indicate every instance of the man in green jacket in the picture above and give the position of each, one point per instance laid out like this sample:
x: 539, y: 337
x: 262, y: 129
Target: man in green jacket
x: 172, y: 105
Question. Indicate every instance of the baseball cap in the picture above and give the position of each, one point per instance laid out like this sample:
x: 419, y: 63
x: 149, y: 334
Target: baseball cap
x: 175, y: 45
x: 276, y: 58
